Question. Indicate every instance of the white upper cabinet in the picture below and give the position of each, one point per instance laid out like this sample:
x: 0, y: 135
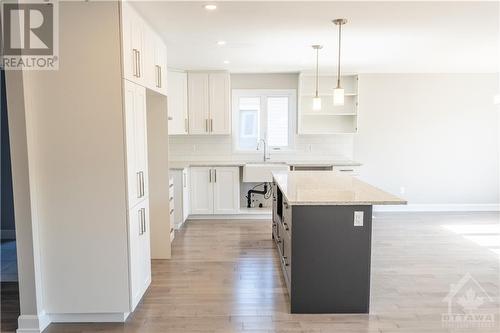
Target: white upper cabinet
x: 198, y: 103
x: 133, y: 44
x: 177, y: 103
x: 160, y: 65
x: 144, y: 52
x: 209, y: 103
x: 220, y: 101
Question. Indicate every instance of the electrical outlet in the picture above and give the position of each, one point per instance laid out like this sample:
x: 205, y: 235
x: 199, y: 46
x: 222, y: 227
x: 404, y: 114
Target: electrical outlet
x: 358, y: 219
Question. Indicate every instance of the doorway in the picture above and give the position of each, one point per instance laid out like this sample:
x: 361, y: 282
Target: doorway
x: 9, y: 289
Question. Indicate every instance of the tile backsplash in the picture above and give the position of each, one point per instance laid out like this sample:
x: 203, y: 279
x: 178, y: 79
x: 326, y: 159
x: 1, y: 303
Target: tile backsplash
x: 220, y: 148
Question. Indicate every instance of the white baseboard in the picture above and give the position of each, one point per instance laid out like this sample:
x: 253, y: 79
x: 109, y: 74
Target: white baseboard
x: 118, y: 317
x: 37, y: 324
x: 7, y: 234
x: 264, y: 216
x: 32, y: 323
x: 439, y: 208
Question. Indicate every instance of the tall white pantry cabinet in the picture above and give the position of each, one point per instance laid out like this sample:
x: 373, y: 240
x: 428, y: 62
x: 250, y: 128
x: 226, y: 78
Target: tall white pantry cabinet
x: 99, y: 152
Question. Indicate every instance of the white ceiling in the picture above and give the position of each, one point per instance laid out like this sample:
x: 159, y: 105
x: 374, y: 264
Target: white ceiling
x: 380, y: 37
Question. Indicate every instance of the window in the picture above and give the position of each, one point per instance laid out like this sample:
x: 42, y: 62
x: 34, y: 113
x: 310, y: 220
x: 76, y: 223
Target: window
x: 263, y: 114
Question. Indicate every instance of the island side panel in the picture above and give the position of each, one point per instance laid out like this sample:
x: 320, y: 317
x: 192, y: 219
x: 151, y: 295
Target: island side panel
x: 331, y: 259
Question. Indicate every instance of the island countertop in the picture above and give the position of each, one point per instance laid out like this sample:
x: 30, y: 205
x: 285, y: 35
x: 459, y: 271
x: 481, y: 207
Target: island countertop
x: 330, y: 188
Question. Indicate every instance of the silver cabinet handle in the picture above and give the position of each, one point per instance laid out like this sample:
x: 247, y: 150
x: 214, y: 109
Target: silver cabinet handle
x: 141, y: 184
x: 139, y: 63
x: 215, y: 175
x: 346, y: 170
x: 139, y: 192
x: 140, y: 221
x: 134, y: 54
x: 211, y: 125
x: 184, y: 180
x: 171, y: 211
x: 159, y: 77
x: 209, y: 175
x: 143, y: 220
x: 206, y: 125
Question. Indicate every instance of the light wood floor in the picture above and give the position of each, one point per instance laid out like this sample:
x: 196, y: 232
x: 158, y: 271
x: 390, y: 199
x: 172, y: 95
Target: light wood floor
x: 225, y: 277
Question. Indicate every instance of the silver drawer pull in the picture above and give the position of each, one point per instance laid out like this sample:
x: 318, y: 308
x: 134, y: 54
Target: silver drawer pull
x: 346, y: 170
x: 171, y: 211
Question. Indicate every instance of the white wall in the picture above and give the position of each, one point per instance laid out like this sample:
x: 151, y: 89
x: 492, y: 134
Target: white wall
x: 334, y: 147
x: 436, y: 135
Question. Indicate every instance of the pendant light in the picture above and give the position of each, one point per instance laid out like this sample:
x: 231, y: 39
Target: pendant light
x: 338, y: 92
x: 316, y: 99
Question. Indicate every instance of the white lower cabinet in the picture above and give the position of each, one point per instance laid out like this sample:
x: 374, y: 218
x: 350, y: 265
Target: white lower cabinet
x: 181, y: 195
x: 214, y: 190
x: 140, y: 251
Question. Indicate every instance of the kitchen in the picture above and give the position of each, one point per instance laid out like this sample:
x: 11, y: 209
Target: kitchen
x: 259, y: 166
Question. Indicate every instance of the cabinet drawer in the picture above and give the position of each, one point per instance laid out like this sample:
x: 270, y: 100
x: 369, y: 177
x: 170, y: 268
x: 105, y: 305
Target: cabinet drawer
x: 287, y: 256
x: 172, y: 202
x: 348, y: 170
x: 287, y: 217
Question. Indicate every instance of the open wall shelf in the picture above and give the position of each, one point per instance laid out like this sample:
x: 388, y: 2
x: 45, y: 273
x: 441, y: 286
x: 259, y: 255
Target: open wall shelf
x: 330, y: 119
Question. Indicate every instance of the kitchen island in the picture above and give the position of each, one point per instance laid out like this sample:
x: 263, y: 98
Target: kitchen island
x: 322, y: 225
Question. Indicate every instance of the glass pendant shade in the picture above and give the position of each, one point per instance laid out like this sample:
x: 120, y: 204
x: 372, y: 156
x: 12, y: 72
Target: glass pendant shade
x: 317, y: 103
x: 338, y: 96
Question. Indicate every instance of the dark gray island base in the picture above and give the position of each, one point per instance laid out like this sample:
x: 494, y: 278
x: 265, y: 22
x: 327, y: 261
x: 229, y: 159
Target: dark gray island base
x: 325, y: 254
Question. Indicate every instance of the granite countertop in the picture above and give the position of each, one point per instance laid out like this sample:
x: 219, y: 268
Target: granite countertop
x: 186, y: 164
x: 330, y: 188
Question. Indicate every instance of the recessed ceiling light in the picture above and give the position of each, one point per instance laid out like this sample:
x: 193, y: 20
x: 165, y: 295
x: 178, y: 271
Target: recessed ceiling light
x: 210, y: 7
x: 221, y: 42
x: 226, y: 62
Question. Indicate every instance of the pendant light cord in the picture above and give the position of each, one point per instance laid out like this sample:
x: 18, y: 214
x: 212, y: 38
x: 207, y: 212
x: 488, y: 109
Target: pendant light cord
x: 338, y: 66
x: 317, y: 71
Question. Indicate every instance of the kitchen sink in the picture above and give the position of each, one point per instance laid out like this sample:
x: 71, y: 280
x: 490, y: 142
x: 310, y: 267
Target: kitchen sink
x: 262, y: 172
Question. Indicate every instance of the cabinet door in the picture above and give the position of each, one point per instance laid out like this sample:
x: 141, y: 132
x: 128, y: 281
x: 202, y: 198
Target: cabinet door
x: 139, y: 251
x: 185, y: 195
x: 198, y: 103
x: 150, y: 69
x: 145, y: 249
x: 220, y: 103
x: 177, y: 103
x: 201, y: 191
x: 133, y: 178
x: 136, y: 142
x: 177, y: 197
x: 133, y: 44
x: 161, y: 65
x: 226, y: 182
x: 141, y: 145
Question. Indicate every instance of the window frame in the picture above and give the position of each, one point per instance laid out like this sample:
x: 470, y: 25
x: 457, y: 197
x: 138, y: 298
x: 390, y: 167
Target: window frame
x: 263, y: 94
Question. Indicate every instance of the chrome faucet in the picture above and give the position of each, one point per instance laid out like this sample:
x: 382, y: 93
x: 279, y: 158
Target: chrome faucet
x: 265, y: 158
